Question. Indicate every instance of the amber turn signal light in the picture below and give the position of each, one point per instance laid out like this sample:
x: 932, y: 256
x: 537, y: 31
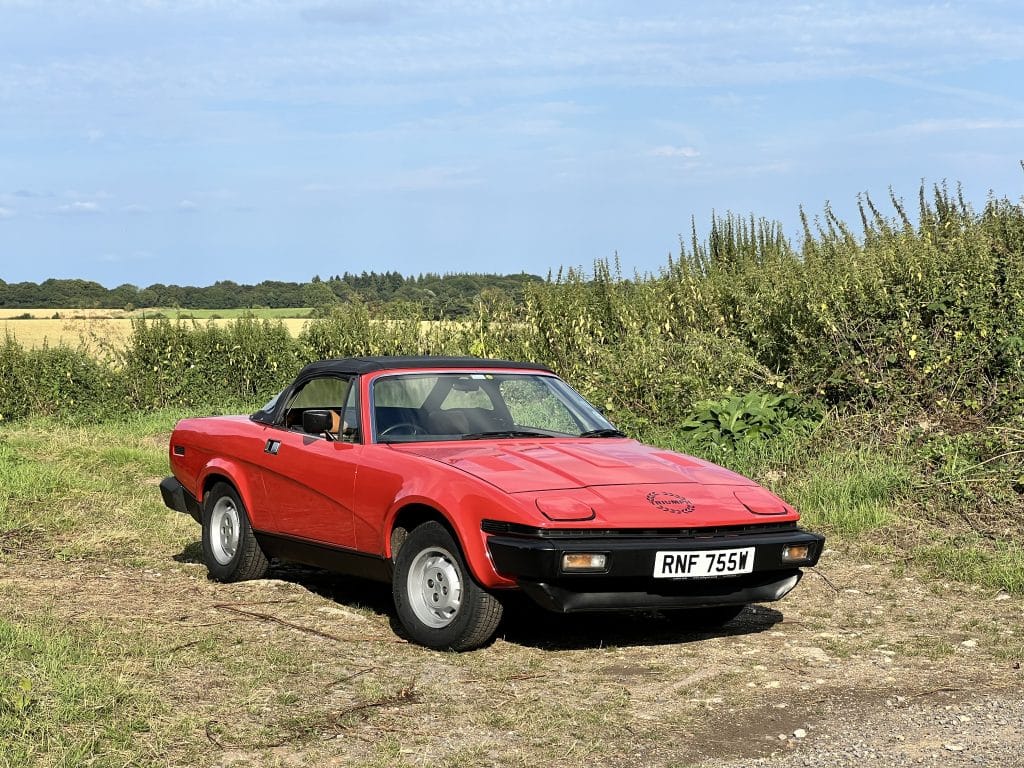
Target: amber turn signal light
x: 584, y: 561
x: 796, y: 553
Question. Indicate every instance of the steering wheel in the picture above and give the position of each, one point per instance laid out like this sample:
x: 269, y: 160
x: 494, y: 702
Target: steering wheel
x: 403, y: 428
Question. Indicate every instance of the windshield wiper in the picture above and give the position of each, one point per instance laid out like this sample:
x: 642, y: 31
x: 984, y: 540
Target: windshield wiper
x: 505, y: 433
x: 604, y: 433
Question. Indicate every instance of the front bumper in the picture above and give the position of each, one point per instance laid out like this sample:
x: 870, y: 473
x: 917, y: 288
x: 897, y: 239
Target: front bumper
x: 177, y: 498
x: 532, y: 558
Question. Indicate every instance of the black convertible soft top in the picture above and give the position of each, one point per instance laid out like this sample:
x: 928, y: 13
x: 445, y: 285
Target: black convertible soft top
x: 369, y: 364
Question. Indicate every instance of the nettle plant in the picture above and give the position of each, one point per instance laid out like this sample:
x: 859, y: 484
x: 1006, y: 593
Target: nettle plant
x: 750, y: 418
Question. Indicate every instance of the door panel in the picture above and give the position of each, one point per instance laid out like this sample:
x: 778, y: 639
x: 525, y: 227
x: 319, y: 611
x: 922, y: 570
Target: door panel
x: 308, y: 480
x: 308, y: 484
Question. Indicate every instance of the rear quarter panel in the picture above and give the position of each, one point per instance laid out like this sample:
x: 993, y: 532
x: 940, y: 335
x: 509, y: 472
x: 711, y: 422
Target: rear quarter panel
x: 221, y: 446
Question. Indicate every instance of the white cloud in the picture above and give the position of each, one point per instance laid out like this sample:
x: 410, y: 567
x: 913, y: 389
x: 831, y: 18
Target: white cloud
x: 75, y: 194
x: 187, y: 206
x: 454, y: 49
x: 532, y: 43
x: 971, y: 94
x: 80, y: 207
x: 752, y: 170
x: 6, y: 213
x: 667, y: 150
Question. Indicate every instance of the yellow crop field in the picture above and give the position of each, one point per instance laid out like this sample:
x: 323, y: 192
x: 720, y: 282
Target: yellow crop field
x: 7, y: 313
x: 93, y: 329
x: 92, y: 333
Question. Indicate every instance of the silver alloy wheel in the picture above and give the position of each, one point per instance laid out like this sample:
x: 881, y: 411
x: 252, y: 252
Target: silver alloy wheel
x: 434, y: 587
x: 225, y: 529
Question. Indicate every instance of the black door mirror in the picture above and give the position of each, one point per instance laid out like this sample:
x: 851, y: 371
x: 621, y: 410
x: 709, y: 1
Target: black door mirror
x: 318, y: 422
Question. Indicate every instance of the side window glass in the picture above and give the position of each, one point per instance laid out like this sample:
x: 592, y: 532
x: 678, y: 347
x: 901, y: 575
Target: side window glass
x: 325, y: 393
x: 350, y: 415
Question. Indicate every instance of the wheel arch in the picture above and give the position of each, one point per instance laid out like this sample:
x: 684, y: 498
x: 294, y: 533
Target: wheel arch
x: 438, y: 600
x: 468, y: 537
x: 219, y: 471
x: 410, y: 516
x: 212, y: 479
x: 245, y: 559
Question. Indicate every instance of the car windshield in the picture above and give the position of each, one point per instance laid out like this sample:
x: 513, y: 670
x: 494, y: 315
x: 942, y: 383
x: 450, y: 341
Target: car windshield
x: 421, y: 407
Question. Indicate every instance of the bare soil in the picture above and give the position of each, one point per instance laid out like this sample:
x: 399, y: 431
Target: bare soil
x: 862, y: 665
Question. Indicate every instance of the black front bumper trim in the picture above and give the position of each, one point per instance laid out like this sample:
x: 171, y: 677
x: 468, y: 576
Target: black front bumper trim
x: 534, y: 563
x: 696, y: 593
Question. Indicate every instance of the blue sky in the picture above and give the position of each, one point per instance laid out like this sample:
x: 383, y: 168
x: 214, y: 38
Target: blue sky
x: 190, y: 141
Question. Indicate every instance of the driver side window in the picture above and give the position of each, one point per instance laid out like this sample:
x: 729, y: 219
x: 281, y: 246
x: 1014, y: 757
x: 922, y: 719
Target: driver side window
x: 325, y: 393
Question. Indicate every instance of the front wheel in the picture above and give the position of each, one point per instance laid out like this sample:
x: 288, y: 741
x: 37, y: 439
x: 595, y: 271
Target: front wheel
x: 436, y: 599
x: 230, y: 549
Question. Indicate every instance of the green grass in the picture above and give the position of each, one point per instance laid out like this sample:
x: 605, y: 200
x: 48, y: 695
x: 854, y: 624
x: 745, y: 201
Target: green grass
x: 851, y: 492
x: 67, y: 698
x: 975, y: 560
x: 87, y: 491
x: 840, y: 489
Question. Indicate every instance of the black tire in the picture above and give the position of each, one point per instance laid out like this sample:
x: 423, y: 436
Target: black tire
x: 230, y: 549
x: 711, y: 617
x: 437, y: 601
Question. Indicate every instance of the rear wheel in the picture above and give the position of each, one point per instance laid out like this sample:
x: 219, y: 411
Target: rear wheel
x: 437, y: 601
x: 230, y: 549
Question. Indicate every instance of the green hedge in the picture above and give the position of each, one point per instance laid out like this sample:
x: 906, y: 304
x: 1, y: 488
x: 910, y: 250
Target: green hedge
x: 924, y: 316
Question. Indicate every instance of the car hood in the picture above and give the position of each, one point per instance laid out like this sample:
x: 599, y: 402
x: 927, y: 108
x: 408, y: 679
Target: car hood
x: 523, y: 466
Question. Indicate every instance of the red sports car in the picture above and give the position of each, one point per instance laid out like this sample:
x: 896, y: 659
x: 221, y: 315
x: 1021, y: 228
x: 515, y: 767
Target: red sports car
x: 460, y: 480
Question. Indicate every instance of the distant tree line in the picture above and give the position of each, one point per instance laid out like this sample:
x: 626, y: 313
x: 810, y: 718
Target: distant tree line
x: 437, y: 295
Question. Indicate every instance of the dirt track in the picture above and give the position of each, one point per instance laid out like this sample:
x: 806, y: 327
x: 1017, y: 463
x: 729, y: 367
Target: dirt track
x: 860, y: 666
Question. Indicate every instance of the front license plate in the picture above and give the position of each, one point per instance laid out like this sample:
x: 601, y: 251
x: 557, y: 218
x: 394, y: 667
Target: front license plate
x: 702, y: 564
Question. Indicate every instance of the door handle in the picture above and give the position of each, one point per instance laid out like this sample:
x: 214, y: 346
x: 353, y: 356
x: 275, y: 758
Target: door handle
x: 272, y: 447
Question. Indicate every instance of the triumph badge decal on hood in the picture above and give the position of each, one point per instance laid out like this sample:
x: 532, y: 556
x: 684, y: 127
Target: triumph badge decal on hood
x: 671, y: 502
